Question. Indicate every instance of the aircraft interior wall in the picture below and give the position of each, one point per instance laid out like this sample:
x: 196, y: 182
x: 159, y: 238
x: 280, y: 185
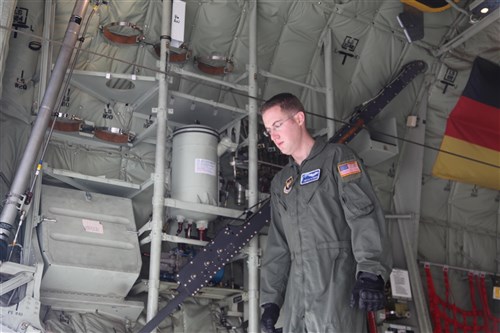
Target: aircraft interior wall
x: 113, y: 91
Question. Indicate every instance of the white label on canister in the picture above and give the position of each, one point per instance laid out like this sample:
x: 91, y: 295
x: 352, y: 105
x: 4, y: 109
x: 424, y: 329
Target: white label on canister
x: 93, y: 226
x: 204, y: 166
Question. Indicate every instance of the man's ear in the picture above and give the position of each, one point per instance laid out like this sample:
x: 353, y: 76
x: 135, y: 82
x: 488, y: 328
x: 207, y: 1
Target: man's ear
x: 301, y: 117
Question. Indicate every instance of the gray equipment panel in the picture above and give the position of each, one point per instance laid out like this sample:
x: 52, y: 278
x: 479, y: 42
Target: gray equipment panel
x: 89, y: 243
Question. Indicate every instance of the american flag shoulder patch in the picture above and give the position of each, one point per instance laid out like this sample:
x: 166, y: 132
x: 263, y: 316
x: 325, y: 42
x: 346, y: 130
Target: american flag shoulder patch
x: 348, y: 168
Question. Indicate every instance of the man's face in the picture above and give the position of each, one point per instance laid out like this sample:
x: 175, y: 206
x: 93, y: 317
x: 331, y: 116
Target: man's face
x: 282, y: 128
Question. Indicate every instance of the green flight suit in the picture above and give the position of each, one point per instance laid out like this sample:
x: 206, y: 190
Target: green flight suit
x: 326, y: 226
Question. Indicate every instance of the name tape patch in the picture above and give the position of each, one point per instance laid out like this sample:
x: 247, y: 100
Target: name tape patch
x: 309, y: 177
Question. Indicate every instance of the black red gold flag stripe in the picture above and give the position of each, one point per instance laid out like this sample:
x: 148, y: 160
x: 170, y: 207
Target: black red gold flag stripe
x: 472, y: 132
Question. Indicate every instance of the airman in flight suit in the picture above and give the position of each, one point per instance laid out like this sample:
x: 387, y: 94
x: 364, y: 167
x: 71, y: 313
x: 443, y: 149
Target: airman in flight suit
x: 328, y: 255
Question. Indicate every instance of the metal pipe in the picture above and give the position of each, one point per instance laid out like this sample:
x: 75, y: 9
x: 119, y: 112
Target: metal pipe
x: 253, y: 246
x: 454, y: 5
x: 46, y: 55
x: 26, y: 166
x: 159, y: 176
x: 7, y: 10
x: 399, y: 216
x: 409, y: 176
x: 284, y: 79
x: 471, y: 31
x: 417, y: 288
x: 468, y: 270
x: 330, y: 112
x: 183, y: 72
x: 208, y: 102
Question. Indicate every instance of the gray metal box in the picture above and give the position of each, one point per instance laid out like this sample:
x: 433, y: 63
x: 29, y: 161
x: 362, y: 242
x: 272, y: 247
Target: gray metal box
x: 89, y: 243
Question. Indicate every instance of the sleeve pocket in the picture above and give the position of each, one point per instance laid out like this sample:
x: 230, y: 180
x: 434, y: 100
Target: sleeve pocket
x: 356, y: 202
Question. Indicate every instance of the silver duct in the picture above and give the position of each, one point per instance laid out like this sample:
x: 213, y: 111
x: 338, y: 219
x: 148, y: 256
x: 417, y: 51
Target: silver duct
x: 15, y: 196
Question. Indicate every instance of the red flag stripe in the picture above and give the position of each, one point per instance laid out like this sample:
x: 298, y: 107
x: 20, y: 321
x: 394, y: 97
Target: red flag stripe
x: 475, y: 122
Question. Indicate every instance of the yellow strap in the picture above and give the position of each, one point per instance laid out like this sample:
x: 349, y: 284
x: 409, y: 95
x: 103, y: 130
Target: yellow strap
x: 439, y: 6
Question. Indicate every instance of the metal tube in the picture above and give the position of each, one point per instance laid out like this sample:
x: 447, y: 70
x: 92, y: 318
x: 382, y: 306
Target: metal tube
x: 470, y: 32
x: 284, y: 79
x: 26, y: 167
x: 183, y: 72
x: 454, y: 5
x: 399, y: 216
x: 417, y: 288
x: 253, y: 246
x: 409, y: 176
x: 7, y: 10
x: 208, y: 102
x: 159, y: 176
x: 46, y: 55
x: 330, y: 112
x: 457, y: 268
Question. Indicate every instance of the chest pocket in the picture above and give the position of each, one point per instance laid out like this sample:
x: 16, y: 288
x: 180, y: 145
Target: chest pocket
x: 356, y: 201
x: 309, y: 190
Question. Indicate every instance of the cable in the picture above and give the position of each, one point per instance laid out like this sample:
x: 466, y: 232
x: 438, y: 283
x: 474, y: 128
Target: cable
x: 255, y: 98
x: 409, y: 141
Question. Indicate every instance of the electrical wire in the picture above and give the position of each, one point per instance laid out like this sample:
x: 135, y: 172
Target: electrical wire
x: 410, y: 141
x: 255, y: 98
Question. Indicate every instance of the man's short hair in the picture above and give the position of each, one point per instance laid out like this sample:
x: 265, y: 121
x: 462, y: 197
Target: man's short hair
x: 287, y: 101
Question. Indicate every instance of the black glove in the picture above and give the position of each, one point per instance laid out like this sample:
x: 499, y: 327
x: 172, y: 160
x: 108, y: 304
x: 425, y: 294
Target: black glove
x: 368, y: 292
x: 269, y: 317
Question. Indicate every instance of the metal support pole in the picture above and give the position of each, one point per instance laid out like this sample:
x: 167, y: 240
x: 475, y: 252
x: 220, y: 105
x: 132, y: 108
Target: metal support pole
x: 26, y: 167
x: 409, y: 176
x: 330, y: 112
x: 46, y: 55
x: 399, y: 216
x: 253, y: 246
x: 297, y: 83
x: 7, y: 9
x: 159, y: 175
x: 208, y: 102
x: 185, y: 73
x: 470, y: 32
x: 457, y: 268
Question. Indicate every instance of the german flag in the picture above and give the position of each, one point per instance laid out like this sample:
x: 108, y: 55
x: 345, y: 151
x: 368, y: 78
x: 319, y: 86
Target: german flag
x: 470, y: 151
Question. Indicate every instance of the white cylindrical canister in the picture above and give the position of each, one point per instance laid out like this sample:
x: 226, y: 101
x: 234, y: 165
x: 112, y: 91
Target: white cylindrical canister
x: 195, y: 169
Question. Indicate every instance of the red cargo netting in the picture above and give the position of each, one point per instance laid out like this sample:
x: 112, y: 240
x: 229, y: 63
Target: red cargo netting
x: 447, y: 317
